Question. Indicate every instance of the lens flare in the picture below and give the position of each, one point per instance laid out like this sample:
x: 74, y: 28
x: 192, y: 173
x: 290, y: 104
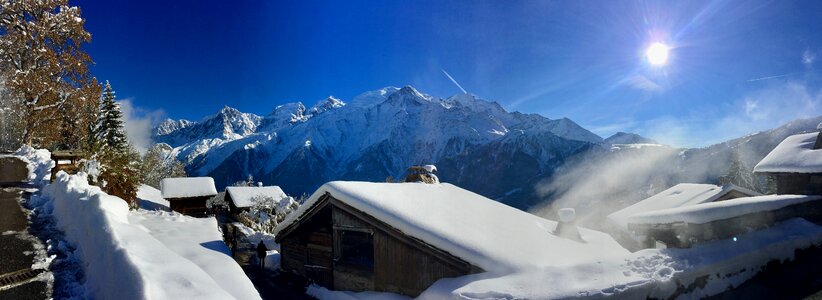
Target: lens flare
x: 657, y: 54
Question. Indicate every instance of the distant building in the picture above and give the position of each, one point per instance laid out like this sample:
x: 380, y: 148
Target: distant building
x: 188, y: 195
x: 241, y: 198
x: 795, y: 164
x: 402, y: 237
x: 680, y: 195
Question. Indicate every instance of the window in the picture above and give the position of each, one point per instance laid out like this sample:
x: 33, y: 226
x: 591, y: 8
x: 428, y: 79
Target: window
x: 356, y: 249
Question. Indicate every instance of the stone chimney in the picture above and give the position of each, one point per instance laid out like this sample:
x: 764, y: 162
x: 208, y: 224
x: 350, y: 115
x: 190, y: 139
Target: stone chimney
x: 422, y: 174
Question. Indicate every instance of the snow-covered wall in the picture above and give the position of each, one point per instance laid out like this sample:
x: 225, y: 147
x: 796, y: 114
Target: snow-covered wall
x: 122, y: 260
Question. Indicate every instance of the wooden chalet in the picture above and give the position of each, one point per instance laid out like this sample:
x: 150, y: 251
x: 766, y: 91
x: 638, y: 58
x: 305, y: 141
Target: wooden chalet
x: 795, y: 164
x: 403, y: 237
x: 241, y: 198
x: 188, y: 195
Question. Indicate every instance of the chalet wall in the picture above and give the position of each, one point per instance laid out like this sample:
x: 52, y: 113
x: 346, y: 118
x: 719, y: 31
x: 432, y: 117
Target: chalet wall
x: 193, y: 206
x: 798, y: 184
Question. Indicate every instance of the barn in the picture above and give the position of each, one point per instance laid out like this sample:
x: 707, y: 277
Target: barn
x: 795, y: 165
x: 242, y: 198
x: 188, y: 195
x: 402, y: 237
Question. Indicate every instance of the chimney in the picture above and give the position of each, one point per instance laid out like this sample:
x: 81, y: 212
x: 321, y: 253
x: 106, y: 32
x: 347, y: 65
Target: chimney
x: 422, y: 174
x: 566, y: 227
x: 818, y: 144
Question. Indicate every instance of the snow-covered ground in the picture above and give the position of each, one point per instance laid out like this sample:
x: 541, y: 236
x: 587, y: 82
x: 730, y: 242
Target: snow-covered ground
x: 143, y: 255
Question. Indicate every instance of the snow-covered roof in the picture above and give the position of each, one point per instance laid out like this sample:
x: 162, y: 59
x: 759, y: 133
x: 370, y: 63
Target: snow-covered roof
x: 680, y: 195
x: 486, y: 233
x: 793, y: 155
x: 709, y: 212
x: 185, y: 187
x: 243, y: 196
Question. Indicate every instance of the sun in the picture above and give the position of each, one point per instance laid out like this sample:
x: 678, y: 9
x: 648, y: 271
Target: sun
x: 657, y: 54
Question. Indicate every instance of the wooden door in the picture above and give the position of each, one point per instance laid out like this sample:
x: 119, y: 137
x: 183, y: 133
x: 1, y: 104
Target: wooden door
x: 319, y: 259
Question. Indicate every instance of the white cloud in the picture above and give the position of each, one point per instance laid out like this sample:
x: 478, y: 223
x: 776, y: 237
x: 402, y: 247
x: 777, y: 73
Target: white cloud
x: 808, y: 57
x: 138, y: 123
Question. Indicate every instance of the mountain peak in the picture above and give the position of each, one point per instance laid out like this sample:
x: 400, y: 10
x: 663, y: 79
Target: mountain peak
x: 326, y: 105
x: 628, y: 138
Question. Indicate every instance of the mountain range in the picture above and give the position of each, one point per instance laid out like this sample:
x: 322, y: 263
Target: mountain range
x: 476, y: 144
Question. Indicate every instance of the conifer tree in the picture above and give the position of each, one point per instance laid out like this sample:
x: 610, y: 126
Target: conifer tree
x: 120, y: 167
x: 110, y: 122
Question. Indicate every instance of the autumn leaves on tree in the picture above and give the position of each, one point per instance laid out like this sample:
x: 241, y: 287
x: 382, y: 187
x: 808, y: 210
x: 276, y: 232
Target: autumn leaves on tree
x: 49, y: 98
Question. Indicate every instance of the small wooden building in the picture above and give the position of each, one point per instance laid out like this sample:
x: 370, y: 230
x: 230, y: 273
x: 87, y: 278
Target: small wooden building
x: 241, y: 198
x: 188, y: 195
x: 795, y: 164
x: 403, y: 237
x: 66, y: 160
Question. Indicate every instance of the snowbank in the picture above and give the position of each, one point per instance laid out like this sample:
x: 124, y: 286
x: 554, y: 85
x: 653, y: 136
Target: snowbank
x: 793, y: 155
x: 243, y: 196
x: 709, y: 212
x: 123, y: 260
x: 680, y: 195
x: 184, y: 187
x: 650, y: 273
x: 199, y: 241
x: 40, y: 164
x: 486, y: 233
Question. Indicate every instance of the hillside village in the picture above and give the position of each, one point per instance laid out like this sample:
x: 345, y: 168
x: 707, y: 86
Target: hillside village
x: 431, y: 240
x: 395, y: 193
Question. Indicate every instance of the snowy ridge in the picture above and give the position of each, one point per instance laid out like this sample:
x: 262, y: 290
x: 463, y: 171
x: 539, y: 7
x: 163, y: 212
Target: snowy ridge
x: 378, y: 134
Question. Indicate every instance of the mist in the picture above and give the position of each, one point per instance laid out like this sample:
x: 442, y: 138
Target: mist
x: 598, y: 183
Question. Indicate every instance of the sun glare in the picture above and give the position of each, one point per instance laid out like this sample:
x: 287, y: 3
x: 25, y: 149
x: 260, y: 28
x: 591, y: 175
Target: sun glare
x: 657, y: 54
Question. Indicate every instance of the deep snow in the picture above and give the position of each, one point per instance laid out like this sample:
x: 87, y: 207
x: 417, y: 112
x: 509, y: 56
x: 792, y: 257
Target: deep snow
x: 124, y: 260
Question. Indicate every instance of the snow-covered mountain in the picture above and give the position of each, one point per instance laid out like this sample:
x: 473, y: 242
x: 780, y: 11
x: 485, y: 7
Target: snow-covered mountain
x: 628, y: 138
x: 377, y: 134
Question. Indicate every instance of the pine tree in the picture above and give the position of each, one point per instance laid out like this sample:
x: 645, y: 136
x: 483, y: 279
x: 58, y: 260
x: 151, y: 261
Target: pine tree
x: 738, y: 174
x: 110, y: 122
x: 120, y: 164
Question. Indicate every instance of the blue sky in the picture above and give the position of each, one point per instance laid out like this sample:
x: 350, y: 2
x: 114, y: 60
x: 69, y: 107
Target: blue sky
x: 734, y: 67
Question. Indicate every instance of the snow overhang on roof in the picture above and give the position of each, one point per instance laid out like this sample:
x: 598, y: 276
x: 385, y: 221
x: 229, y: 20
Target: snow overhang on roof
x: 243, y: 196
x: 793, y: 155
x: 680, y: 195
x: 186, y: 187
x: 483, y: 232
x: 714, y: 211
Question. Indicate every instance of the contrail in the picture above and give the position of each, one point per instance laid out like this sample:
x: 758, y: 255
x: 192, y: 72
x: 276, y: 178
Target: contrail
x: 771, y: 77
x: 454, y: 81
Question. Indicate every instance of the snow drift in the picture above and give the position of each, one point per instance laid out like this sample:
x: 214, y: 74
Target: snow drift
x: 122, y: 260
